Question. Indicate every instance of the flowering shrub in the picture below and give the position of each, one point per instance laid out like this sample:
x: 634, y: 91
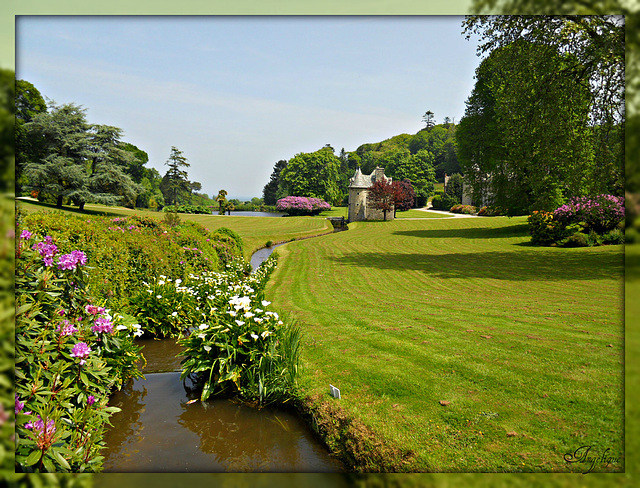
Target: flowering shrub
x: 544, y: 229
x: 240, y: 347
x: 584, y: 221
x: 491, y: 211
x: 302, y: 205
x: 126, y: 251
x: 600, y: 214
x: 463, y: 209
x: 70, y: 353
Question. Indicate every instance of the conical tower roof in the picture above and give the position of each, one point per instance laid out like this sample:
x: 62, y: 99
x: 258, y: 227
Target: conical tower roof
x: 359, y: 180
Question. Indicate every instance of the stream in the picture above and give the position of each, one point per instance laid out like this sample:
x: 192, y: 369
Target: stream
x: 158, y: 430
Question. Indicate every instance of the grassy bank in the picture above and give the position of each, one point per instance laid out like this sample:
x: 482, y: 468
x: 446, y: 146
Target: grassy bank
x: 459, y: 345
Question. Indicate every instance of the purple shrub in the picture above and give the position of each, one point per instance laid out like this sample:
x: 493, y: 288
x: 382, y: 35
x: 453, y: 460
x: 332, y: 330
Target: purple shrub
x: 601, y: 213
x: 302, y: 205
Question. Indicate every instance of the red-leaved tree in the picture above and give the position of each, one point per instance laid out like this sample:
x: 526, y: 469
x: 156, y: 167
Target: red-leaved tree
x: 382, y: 196
x: 404, y: 195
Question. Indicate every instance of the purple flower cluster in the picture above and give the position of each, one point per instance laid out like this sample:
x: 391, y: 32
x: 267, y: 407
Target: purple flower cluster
x: 47, y: 250
x: 301, y: 205
x: 68, y: 329
x: 93, y: 310
x: 601, y: 213
x: 72, y: 261
x: 81, y: 350
x: 102, y: 325
x: 39, y: 427
x: 19, y: 405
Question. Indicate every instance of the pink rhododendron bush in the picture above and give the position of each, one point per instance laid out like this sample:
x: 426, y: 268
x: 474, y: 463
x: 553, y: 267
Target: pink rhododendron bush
x: 583, y: 221
x: 296, y: 206
x: 71, y: 352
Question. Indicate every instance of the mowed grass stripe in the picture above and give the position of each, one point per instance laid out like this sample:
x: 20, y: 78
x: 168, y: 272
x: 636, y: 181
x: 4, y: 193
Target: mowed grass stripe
x: 403, y: 314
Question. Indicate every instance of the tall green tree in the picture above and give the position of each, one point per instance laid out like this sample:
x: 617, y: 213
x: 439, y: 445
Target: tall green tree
x: 429, y: 119
x: 61, y: 172
x: 313, y: 175
x: 270, y: 190
x: 28, y: 102
x: 590, y: 11
x: 175, y: 183
x: 527, y: 138
x: 108, y: 182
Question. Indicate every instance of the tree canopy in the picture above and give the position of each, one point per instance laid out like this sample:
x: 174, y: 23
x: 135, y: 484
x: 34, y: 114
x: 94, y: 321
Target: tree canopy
x: 545, y: 101
x: 313, y: 175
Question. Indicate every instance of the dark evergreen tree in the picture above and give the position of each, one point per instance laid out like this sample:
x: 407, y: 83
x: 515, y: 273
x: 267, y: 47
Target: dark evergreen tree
x: 175, y: 183
x: 270, y: 190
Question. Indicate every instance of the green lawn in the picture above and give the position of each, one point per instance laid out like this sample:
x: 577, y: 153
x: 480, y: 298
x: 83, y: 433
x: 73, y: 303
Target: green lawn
x: 525, y: 343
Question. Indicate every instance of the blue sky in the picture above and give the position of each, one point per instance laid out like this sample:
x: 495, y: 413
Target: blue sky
x: 236, y: 94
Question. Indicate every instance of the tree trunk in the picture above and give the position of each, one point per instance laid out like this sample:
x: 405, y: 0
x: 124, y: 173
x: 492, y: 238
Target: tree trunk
x: 59, y: 201
x: 81, y: 206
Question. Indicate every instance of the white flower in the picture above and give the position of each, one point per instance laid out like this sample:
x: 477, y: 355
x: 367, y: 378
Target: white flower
x: 158, y: 296
x: 203, y: 326
x: 122, y: 327
x: 255, y: 337
x: 201, y: 336
x: 174, y: 314
x: 239, y: 322
x: 258, y: 310
x: 266, y: 333
x: 137, y: 333
x: 161, y: 282
x: 265, y: 303
x: 232, y: 313
x: 178, y: 281
x: 280, y: 322
x: 207, y: 348
x: 258, y: 320
x: 248, y: 315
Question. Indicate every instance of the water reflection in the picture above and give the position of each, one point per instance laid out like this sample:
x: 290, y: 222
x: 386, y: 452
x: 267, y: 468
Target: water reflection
x: 160, y: 355
x: 158, y: 431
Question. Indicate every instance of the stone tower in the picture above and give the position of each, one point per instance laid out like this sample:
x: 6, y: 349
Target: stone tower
x: 359, y: 207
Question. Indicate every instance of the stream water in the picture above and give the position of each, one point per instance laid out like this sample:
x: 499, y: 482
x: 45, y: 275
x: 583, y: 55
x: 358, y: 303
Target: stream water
x: 158, y: 430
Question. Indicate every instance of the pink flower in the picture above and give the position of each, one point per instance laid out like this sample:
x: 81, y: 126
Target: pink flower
x: 102, y: 325
x: 71, y: 261
x: 19, y: 405
x: 91, y: 400
x: 80, y: 350
x: 67, y: 330
x: 25, y: 234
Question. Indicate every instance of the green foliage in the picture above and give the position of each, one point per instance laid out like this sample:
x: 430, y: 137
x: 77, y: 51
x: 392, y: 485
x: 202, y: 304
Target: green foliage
x: 70, y: 354
x: 175, y: 183
x: 491, y: 211
x: 543, y: 120
x: 75, y: 160
x: 172, y: 219
x: 544, y: 229
x: 312, y: 175
x: 237, y: 346
x: 463, y: 209
x: 443, y: 201
x: 270, y: 190
x: 127, y: 251
x: 186, y: 208
x: 7, y: 111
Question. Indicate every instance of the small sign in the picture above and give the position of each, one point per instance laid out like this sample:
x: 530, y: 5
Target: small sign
x: 335, y: 393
